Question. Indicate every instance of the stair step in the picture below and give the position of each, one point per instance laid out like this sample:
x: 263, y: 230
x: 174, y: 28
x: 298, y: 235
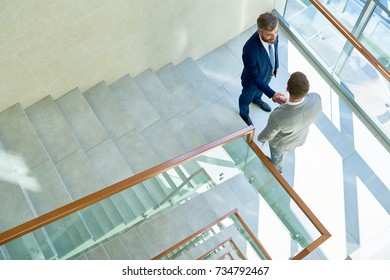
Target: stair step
x: 235, y: 45
x: 109, y: 210
x: 106, y: 134
x: 52, y: 129
x: 220, y: 65
x: 30, y: 198
x: 2, y: 254
x: 78, y: 175
x: 112, y: 168
x: 24, y: 248
x: 162, y: 142
x: 6, y: 165
x: 134, y: 102
x: 116, y: 250
x: 81, y: 119
x: 102, y: 152
x: 160, y: 98
x: 206, y: 124
x: 144, y: 196
x: 136, y: 152
x: 109, y: 163
x: 212, y: 242
x: 136, y: 247
x: 108, y: 110
x: 198, y: 81
x: 171, y: 227
x: 185, y: 132
x: 44, y: 188
x: 91, y: 217
x: 59, y: 141
x: 22, y: 141
x: 226, y: 112
x: 68, y: 233
x: 139, y: 157
x: 81, y: 180
x: 136, y: 202
x: 13, y: 200
x: 157, y: 189
x: 179, y: 88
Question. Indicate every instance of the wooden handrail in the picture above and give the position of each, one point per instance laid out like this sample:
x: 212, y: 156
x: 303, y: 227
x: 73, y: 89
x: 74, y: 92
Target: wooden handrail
x: 93, y: 198
x: 300, y: 203
x: 252, y: 236
x: 227, y: 254
x: 230, y: 239
x: 207, y: 227
x: 185, y: 240
x: 109, y: 191
x: 238, y: 249
x: 352, y: 39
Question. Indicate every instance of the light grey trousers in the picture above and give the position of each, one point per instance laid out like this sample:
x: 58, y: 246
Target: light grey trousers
x: 277, y: 158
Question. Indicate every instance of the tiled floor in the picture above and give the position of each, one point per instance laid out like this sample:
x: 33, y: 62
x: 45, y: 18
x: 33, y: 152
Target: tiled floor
x: 342, y: 171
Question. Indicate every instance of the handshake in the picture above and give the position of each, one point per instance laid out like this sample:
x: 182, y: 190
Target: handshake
x: 279, y: 98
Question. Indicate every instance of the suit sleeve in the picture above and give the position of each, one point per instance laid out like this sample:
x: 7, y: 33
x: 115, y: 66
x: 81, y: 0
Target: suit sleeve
x: 250, y: 63
x: 269, y: 132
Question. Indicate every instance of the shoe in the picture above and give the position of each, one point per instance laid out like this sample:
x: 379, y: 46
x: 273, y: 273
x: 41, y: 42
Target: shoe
x: 264, y: 106
x: 246, y: 119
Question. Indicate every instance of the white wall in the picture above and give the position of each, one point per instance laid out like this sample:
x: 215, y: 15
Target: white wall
x: 53, y: 46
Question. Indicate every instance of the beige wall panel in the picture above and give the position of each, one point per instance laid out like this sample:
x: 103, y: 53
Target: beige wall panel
x: 54, y: 46
x: 16, y: 78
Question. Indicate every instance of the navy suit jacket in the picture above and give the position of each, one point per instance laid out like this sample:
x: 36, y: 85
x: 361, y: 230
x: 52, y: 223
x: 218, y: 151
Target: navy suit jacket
x: 258, y: 70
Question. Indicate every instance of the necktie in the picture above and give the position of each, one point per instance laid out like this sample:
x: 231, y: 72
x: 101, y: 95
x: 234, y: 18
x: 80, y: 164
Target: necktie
x: 271, y: 55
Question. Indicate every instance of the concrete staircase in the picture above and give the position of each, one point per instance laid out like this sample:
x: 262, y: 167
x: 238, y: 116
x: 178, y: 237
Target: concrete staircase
x: 166, y: 230
x: 57, y: 151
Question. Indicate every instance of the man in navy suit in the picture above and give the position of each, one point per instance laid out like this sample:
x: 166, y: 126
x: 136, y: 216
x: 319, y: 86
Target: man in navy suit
x: 261, y: 62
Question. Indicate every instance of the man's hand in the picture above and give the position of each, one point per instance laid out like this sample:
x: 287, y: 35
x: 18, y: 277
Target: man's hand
x: 279, y: 98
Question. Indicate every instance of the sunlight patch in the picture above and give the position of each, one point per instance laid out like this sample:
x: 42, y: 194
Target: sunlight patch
x: 373, y: 218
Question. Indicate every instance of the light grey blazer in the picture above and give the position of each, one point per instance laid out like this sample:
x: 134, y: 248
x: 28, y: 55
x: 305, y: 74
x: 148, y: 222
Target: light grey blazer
x: 288, y: 125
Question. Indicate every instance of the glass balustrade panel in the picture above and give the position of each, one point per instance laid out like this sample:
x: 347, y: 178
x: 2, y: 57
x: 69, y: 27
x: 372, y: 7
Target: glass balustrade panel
x: 280, y: 218
x: 368, y: 89
x: 84, y: 230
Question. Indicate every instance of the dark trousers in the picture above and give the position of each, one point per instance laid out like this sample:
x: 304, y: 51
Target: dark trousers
x: 247, y: 96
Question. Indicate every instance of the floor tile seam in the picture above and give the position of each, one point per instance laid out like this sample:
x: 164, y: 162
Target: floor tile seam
x: 86, y: 151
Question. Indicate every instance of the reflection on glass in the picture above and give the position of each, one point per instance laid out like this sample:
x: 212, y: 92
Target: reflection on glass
x: 370, y: 90
x: 346, y: 12
x: 376, y: 38
x: 368, y: 21
x: 316, y: 32
x: 375, y: 34
x: 279, y: 214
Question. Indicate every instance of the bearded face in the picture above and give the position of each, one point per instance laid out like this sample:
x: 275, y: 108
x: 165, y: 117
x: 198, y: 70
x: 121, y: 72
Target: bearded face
x: 269, y: 36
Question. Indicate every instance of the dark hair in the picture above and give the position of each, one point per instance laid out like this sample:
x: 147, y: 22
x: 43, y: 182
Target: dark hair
x: 267, y: 22
x: 298, y: 85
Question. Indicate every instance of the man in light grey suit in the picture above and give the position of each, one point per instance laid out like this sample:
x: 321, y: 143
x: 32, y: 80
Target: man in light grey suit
x: 288, y: 125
